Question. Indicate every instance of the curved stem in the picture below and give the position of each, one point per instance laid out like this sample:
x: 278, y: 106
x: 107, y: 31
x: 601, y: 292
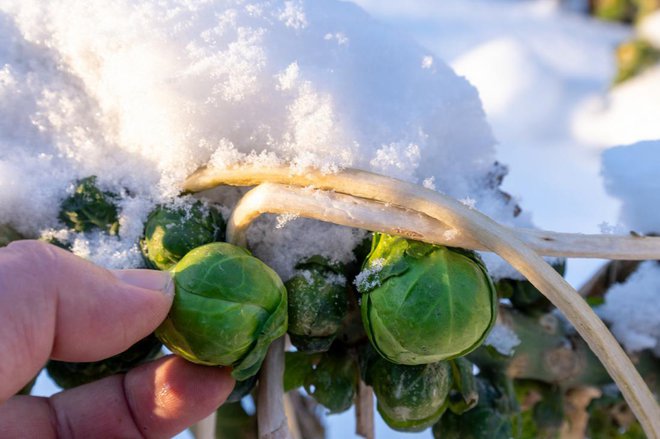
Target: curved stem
x: 379, y: 217
x: 494, y: 237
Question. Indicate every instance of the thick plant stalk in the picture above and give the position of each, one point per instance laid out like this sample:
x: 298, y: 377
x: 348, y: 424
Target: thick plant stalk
x: 379, y: 217
x: 364, y: 411
x: 270, y: 399
x: 479, y: 227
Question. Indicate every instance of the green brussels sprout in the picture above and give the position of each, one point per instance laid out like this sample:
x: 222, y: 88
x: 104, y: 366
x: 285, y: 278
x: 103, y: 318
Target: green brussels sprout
x: 317, y: 304
x: 8, y: 234
x: 89, y: 208
x: 228, y: 308
x: 331, y: 378
x: 333, y: 382
x: 524, y: 295
x: 490, y: 419
x: 171, y: 232
x: 68, y: 375
x: 410, y: 398
x: 424, y: 303
x: 242, y: 389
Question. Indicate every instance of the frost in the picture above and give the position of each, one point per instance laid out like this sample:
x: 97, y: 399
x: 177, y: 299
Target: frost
x: 368, y: 278
x: 468, y: 202
x: 429, y: 183
x: 611, y: 229
x: 427, y: 62
x: 283, y: 219
x: 633, y: 309
x: 503, y: 339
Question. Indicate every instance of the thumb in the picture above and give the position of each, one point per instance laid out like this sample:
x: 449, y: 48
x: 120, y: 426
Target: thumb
x: 54, y: 304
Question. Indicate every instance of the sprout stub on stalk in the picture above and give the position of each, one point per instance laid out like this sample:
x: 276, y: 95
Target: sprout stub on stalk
x: 423, y: 303
x: 228, y: 308
x: 171, y: 232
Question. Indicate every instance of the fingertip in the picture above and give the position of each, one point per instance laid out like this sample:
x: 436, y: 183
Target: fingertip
x: 171, y: 394
x: 160, y: 281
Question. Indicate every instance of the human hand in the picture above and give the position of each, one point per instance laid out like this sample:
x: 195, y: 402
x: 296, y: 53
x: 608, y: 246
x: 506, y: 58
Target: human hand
x: 56, y: 305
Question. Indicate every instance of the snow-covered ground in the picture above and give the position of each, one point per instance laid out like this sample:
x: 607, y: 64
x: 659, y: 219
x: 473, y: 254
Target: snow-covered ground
x: 323, y: 85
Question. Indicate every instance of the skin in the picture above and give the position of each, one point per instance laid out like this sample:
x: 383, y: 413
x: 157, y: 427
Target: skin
x: 56, y: 305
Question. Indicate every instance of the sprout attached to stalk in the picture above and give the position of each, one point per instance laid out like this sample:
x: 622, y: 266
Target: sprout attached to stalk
x: 228, y: 308
x: 410, y: 398
x: 424, y: 303
x: 171, y: 232
x: 317, y: 304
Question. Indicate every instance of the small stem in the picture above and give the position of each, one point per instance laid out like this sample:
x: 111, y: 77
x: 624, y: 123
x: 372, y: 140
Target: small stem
x: 364, y: 411
x: 270, y: 398
x: 478, y: 226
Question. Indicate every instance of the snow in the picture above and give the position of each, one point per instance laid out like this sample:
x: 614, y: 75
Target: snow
x: 631, y: 174
x: 632, y: 309
x: 503, y: 339
x: 649, y: 28
x: 143, y: 93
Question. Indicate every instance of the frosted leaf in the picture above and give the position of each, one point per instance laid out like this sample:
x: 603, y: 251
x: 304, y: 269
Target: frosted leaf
x: 367, y: 279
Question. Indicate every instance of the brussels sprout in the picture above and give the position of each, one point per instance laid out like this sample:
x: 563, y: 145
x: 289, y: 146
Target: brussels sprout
x: 317, y: 304
x: 68, y: 375
x: 228, y: 307
x: 424, y: 303
x: 331, y: 378
x: 89, y: 208
x: 242, y: 389
x: 490, y: 419
x: 524, y: 295
x: 410, y: 398
x: 171, y: 232
x: 334, y: 381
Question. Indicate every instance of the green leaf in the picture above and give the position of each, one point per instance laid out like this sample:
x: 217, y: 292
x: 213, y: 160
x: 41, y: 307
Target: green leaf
x: 298, y: 367
x: 89, y: 208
